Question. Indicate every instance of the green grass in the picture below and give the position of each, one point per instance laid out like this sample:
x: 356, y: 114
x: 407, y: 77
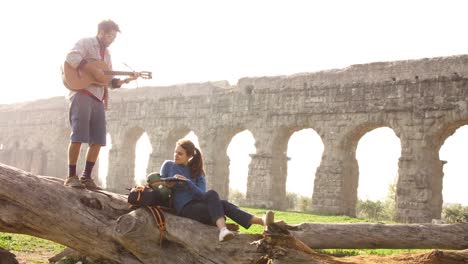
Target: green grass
x: 24, y: 243
x: 299, y: 217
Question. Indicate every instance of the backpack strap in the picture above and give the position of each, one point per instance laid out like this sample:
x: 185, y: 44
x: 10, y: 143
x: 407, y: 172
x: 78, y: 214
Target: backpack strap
x: 160, y: 220
x: 156, y: 183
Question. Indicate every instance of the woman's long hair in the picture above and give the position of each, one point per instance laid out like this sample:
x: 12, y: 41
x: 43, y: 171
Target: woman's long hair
x: 196, y: 162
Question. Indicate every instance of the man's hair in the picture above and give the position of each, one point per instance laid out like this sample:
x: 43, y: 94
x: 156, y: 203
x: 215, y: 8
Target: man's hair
x: 108, y: 25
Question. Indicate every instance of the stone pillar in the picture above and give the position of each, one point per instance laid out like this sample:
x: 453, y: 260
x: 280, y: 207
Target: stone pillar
x: 155, y: 162
x: 419, y: 187
x: 39, y: 162
x: 266, y: 184
x: 121, y: 172
x: 57, y: 162
x: 336, y: 180
x: 162, y: 150
x: 21, y: 159
x: 5, y: 156
x: 214, y: 146
x: 57, y: 154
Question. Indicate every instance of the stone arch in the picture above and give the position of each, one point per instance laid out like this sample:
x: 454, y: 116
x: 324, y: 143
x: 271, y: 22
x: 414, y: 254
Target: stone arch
x: 163, y: 143
x: 377, y: 174
x: 268, y: 169
x: 16, y: 145
x: 350, y: 176
x: 39, y: 159
x: 103, y: 161
x: 300, y: 170
x: 280, y: 161
x: 177, y: 133
x: 142, y: 158
x: 57, y: 153
x: 20, y: 155
x: 173, y: 136
x: 441, y: 136
x: 5, y: 152
x: 214, y: 144
x: 122, y: 159
x: 234, y: 170
x: 445, y: 131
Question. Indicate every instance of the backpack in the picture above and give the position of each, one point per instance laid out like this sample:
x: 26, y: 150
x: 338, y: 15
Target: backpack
x: 154, y: 193
x: 154, y: 196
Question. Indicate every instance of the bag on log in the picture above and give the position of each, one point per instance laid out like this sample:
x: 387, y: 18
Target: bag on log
x: 155, y: 193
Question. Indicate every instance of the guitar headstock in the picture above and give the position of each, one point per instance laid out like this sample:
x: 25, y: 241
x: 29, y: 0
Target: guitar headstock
x: 145, y: 75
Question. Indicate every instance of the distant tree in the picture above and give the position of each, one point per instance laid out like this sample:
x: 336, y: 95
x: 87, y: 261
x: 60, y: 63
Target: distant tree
x: 297, y: 202
x: 304, y: 203
x: 291, y: 199
x: 370, y: 209
x: 237, y: 197
x: 452, y: 213
x: 389, y: 203
x: 378, y: 210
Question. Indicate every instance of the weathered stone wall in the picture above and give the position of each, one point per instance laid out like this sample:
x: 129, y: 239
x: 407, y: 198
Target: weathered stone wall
x: 423, y: 101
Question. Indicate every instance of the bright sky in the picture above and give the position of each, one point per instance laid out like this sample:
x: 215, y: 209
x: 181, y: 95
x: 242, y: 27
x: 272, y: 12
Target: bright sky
x: 208, y: 40
x: 184, y: 41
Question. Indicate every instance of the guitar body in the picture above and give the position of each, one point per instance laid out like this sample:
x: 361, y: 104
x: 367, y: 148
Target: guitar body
x: 98, y: 74
x: 77, y: 80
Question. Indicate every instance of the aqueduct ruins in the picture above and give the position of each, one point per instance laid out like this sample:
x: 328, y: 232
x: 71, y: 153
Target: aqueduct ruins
x: 422, y: 101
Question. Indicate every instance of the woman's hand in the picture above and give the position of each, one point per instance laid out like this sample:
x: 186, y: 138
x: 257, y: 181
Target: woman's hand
x: 180, y: 177
x: 171, y: 184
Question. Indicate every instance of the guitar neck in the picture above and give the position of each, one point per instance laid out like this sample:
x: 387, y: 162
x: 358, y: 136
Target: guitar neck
x: 118, y: 73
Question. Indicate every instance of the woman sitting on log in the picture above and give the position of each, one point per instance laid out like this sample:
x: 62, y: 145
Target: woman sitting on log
x: 191, y: 200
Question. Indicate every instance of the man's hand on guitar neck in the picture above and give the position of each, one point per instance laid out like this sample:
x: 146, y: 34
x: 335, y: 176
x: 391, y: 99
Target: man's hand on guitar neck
x: 129, y: 79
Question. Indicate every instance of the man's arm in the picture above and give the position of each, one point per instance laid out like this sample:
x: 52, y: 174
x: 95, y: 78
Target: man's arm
x: 75, y: 57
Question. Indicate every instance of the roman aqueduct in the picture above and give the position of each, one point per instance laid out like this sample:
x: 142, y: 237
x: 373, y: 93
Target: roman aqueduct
x: 422, y: 101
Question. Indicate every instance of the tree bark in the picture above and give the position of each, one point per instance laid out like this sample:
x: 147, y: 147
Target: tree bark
x: 100, y: 225
x: 392, y: 236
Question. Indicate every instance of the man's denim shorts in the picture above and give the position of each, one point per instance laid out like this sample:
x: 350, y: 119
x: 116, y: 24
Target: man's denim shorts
x: 87, y: 120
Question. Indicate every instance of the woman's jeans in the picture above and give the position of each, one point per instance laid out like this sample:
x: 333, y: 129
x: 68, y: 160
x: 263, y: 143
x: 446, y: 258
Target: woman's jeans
x: 210, y: 208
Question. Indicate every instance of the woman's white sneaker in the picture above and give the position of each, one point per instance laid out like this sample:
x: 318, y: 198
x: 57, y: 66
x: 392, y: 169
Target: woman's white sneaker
x: 225, y: 235
x: 268, y: 218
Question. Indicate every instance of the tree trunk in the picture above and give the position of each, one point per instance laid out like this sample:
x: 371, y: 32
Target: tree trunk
x: 396, y: 236
x: 101, y: 225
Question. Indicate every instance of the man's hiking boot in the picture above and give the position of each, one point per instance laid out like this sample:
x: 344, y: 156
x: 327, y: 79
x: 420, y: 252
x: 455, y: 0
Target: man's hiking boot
x: 268, y: 218
x: 73, y: 181
x: 89, y: 184
x: 225, y: 235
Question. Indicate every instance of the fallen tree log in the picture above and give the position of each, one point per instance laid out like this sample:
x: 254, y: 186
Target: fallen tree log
x: 100, y: 225
x: 391, y: 236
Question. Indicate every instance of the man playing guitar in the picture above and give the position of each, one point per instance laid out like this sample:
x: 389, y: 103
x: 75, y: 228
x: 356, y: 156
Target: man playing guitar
x: 87, y: 105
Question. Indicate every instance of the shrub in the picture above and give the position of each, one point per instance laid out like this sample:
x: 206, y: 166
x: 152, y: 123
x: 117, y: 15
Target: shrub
x: 296, y: 202
x: 452, y: 213
x: 237, y: 197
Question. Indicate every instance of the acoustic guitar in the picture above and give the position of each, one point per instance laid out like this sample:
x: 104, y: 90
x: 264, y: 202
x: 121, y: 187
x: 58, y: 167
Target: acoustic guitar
x: 76, y: 80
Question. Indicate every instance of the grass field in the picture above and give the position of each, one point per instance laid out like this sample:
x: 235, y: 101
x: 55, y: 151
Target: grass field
x: 23, y: 245
x: 299, y: 217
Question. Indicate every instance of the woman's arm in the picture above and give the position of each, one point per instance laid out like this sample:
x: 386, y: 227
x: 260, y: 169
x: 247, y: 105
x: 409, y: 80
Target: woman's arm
x: 164, y: 171
x: 199, y: 186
